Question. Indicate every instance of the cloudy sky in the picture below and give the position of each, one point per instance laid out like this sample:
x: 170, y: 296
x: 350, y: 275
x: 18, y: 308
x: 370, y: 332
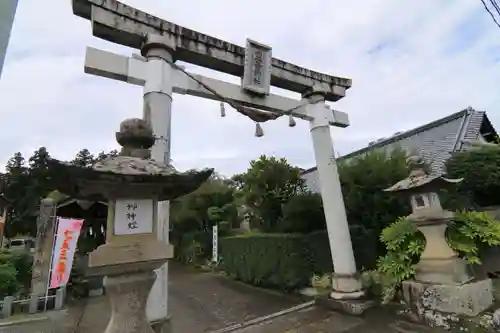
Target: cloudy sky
x: 411, y: 62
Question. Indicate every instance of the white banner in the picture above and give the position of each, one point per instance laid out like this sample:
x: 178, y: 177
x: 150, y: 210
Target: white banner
x: 63, y: 251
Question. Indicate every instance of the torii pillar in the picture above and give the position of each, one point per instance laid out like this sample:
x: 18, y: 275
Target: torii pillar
x: 346, y: 283
x: 157, y: 111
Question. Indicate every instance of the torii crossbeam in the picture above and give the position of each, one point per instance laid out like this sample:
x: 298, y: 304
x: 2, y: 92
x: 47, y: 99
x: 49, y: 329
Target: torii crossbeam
x: 133, y: 70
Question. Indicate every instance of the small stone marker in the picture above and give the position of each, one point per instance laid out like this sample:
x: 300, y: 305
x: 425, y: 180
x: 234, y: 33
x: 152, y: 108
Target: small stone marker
x: 33, y: 304
x: 215, y: 243
x: 7, y: 306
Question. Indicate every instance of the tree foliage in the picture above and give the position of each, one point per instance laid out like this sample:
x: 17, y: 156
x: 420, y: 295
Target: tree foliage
x: 480, y: 169
x: 303, y: 214
x: 213, y: 203
x: 363, y: 182
x: 269, y: 183
x: 26, y: 182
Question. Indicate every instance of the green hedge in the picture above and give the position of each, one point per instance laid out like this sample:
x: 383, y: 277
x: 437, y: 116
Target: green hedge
x: 267, y: 260
x: 288, y: 261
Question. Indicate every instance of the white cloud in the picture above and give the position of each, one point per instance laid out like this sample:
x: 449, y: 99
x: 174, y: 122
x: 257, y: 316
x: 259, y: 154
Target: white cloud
x: 411, y: 63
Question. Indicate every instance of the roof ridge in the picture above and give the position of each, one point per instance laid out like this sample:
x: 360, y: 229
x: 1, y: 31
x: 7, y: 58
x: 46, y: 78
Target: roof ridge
x: 403, y: 134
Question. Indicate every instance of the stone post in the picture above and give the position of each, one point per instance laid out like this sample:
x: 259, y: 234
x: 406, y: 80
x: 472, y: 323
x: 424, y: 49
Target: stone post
x: 345, y: 281
x: 158, y: 51
x: 43, y: 246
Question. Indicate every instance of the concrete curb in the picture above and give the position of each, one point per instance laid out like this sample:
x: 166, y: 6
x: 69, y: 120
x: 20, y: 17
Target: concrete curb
x: 265, y: 318
x: 23, y: 320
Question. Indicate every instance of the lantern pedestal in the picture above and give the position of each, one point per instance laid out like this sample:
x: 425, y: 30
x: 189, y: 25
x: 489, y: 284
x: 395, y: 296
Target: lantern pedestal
x: 443, y: 282
x: 439, y: 263
x: 129, y: 268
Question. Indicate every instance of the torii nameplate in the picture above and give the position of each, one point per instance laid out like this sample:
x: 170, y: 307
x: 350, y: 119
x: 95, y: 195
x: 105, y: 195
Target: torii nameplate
x: 122, y: 24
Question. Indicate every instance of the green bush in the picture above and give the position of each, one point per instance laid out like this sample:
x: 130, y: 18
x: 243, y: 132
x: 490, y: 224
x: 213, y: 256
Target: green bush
x: 303, y: 214
x: 268, y: 260
x: 467, y: 235
x: 288, y: 261
x: 480, y: 168
x: 364, y: 243
x: 364, y: 179
x: 22, y: 263
x: 193, y: 247
x: 9, y: 285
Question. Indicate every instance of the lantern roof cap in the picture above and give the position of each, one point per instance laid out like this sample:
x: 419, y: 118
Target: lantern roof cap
x: 132, y: 174
x: 420, y: 180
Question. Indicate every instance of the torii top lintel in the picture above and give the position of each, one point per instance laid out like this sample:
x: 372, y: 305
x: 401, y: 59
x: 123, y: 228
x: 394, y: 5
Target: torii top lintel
x: 122, y: 24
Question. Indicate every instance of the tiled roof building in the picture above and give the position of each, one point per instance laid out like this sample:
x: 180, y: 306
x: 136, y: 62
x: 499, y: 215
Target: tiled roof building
x: 434, y: 142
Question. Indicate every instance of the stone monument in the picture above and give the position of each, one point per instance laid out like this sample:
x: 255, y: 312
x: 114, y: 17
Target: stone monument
x: 442, y: 282
x: 132, y: 184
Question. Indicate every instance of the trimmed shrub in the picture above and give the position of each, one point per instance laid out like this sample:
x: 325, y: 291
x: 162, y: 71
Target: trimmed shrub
x: 269, y: 260
x: 288, y: 261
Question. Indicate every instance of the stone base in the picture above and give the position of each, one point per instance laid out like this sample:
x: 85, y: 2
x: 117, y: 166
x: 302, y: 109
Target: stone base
x: 453, y: 271
x: 162, y: 326
x: 468, y: 299
x: 96, y: 292
x: 346, y: 284
x: 352, y: 307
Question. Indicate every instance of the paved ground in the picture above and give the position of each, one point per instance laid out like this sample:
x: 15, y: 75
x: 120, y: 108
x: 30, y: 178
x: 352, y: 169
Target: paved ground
x: 316, y: 320
x: 199, y: 302
x: 206, y: 302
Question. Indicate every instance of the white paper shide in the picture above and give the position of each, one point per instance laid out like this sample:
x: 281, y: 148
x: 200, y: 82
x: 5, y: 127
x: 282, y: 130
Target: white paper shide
x: 133, y: 217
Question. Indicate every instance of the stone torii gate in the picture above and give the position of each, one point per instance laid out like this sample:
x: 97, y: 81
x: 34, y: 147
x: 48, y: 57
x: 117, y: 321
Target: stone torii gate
x: 161, y: 43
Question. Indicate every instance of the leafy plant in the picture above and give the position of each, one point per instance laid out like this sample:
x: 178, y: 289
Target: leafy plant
x: 404, y: 245
x: 467, y: 235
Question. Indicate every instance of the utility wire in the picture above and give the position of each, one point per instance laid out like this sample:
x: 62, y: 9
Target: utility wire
x: 495, y: 5
x: 489, y: 12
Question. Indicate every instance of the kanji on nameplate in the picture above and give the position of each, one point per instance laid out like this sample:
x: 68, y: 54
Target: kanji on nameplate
x: 133, y: 217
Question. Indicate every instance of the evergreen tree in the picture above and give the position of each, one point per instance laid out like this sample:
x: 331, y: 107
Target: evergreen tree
x: 84, y: 158
x: 16, y: 189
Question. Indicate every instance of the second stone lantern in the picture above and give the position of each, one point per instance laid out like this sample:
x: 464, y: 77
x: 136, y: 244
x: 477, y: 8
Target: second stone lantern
x: 442, y: 277
x: 132, y: 184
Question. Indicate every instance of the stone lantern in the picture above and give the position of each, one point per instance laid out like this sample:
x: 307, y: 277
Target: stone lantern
x: 132, y: 184
x: 440, y: 270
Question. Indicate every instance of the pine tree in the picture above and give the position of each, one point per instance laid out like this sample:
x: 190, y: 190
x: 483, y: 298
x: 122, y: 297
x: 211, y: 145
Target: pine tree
x: 83, y: 158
